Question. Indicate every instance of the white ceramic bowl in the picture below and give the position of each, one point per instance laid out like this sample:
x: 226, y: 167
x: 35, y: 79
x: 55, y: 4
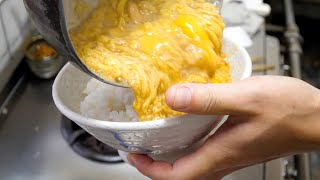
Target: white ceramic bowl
x: 176, y: 136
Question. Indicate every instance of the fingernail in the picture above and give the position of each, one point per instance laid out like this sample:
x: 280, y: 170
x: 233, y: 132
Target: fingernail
x: 181, y: 97
x: 131, y: 160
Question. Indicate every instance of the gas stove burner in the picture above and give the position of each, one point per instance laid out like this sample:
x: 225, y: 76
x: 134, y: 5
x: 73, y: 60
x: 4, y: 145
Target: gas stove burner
x: 86, y: 145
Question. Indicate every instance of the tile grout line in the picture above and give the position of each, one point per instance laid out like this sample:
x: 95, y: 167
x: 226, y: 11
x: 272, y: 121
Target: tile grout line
x: 4, y: 30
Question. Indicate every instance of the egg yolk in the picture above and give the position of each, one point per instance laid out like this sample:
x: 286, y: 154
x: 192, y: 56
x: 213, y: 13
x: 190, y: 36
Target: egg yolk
x: 150, y: 45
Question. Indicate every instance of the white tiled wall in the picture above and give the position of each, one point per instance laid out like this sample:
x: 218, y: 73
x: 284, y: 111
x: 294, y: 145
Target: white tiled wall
x: 15, y: 28
x: 3, y: 44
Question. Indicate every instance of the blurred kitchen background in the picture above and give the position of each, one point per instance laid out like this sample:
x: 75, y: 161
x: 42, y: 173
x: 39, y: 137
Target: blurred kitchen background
x: 37, y: 142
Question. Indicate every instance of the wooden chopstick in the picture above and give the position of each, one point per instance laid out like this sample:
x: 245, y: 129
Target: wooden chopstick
x: 262, y: 68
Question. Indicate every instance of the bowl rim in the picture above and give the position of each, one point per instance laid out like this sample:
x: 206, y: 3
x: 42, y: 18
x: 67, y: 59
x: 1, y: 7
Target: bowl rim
x: 161, y: 123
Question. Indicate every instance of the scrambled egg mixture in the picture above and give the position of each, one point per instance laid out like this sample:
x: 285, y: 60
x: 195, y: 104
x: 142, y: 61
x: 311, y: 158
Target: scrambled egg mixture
x: 151, y: 45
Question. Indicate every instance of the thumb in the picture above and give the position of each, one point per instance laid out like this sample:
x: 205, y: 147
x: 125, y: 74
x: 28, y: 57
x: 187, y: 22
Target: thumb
x: 231, y: 99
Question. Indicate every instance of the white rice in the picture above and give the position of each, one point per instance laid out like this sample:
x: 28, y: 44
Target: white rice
x: 108, y: 103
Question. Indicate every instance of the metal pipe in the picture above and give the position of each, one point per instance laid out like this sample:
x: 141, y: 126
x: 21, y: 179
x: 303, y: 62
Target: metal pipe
x: 303, y: 166
x: 293, y: 39
x: 290, y: 20
x: 295, y: 64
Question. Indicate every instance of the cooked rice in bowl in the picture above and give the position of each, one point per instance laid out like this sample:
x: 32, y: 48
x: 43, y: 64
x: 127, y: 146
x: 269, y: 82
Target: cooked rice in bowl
x: 108, y: 103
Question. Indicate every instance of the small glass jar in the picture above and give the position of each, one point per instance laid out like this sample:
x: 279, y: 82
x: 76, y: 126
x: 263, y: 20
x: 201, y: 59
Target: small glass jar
x: 42, y: 59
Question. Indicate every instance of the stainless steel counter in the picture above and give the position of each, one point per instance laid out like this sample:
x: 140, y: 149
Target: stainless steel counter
x: 32, y: 147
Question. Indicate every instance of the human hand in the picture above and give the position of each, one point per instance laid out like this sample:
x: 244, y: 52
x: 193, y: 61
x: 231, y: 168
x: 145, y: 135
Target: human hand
x: 270, y: 117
